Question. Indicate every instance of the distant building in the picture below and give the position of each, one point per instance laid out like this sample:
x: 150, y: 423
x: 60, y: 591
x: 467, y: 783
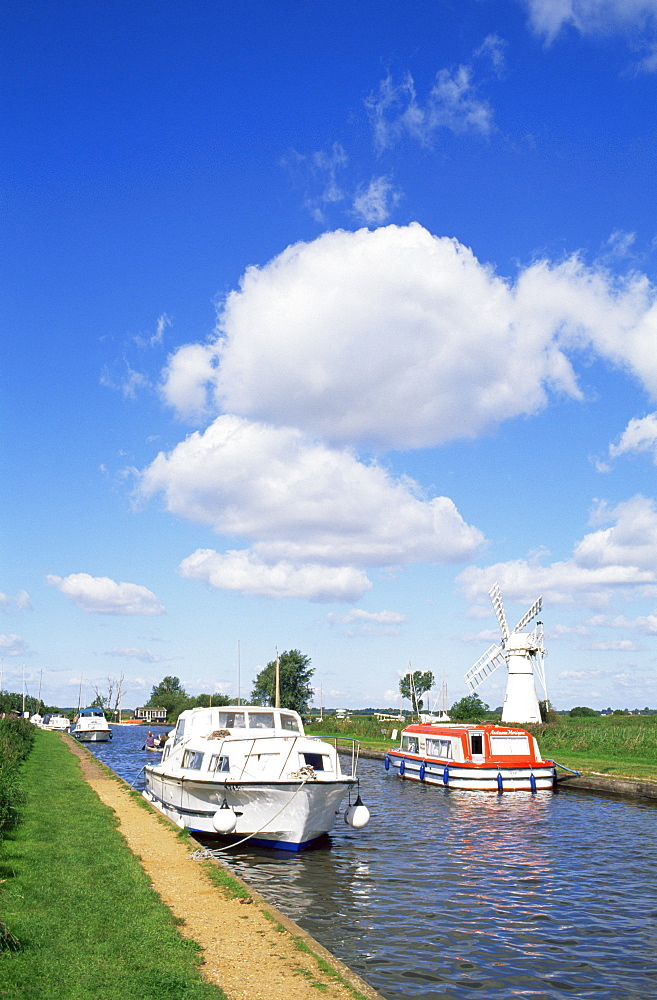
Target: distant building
x: 151, y: 714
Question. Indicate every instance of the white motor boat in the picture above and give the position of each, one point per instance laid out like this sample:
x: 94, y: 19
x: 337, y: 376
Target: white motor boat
x: 253, y: 773
x: 91, y: 726
x: 56, y: 722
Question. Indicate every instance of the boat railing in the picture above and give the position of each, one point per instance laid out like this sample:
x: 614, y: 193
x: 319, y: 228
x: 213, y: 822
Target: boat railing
x: 347, y: 746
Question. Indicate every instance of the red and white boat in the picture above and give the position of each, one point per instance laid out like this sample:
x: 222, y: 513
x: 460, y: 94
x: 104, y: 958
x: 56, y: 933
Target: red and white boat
x: 485, y: 758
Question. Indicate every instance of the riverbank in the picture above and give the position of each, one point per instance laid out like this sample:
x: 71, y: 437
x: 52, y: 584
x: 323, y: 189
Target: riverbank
x: 245, y: 949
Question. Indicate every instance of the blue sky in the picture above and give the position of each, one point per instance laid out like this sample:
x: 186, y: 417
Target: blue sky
x: 319, y: 319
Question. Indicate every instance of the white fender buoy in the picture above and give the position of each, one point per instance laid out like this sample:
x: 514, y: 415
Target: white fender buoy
x: 357, y: 815
x: 224, y: 820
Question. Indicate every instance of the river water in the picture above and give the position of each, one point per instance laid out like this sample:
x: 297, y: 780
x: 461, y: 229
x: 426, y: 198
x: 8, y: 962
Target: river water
x: 469, y: 895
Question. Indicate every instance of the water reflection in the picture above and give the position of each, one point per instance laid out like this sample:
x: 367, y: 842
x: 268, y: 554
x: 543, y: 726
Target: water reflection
x: 449, y: 894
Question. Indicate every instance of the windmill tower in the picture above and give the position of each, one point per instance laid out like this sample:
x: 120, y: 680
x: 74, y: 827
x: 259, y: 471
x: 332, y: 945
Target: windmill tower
x: 524, y: 656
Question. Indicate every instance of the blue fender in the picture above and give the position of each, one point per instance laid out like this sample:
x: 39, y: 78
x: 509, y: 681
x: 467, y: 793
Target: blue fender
x: 402, y: 766
x: 386, y: 763
x: 532, y: 782
x: 446, y: 775
x: 500, y: 781
x: 422, y: 771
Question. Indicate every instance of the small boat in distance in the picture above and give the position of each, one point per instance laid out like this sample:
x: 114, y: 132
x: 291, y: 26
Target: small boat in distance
x: 486, y: 757
x: 253, y: 773
x: 91, y: 726
x: 57, y: 723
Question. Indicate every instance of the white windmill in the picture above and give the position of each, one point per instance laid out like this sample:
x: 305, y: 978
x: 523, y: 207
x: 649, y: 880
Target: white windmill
x: 524, y: 655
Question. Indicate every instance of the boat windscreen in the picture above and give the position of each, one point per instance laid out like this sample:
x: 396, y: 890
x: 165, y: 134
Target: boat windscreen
x: 232, y: 720
x: 261, y: 720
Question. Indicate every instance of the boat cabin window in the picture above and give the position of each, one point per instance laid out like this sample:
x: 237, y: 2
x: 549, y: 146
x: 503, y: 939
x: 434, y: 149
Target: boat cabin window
x: 180, y: 731
x: 219, y: 763
x: 477, y: 743
x: 261, y: 720
x: 289, y: 722
x: 410, y: 743
x: 439, y: 748
x: 192, y: 759
x: 262, y: 762
x: 232, y: 720
x: 317, y: 761
x: 509, y: 746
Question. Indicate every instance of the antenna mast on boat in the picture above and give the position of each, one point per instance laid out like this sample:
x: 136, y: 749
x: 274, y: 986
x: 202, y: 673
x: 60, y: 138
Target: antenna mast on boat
x: 239, y: 667
x: 278, y: 681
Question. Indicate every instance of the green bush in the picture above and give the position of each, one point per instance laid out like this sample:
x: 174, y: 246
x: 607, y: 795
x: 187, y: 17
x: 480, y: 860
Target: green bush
x: 16, y: 739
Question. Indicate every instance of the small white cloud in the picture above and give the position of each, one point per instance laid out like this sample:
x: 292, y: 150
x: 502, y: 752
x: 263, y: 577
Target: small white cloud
x: 21, y: 602
x: 620, y: 243
x: 640, y: 435
x: 101, y: 595
x: 369, y: 622
x: 317, y: 175
x: 614, y: 646
x: 548, y: 17
x: 132, y: 653
x: 375, y: 203
x: 122, y: 377
x: 634, y: 19
x: 155, y: 339
x: 453, y: 103
x: 245, y: 572
x: 494, y: 48
x: 13, y: 645
x: 374, y: 617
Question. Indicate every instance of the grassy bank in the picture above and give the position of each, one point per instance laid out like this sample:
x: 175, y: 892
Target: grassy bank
x: 617, y: 745
x: 620, y: 746
x: 78, y: 904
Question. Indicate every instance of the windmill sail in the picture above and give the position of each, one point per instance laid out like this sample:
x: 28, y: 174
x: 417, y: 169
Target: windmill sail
x: 484, y: 667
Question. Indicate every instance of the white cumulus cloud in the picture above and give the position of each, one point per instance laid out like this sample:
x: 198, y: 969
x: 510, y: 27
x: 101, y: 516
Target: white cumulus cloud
x: 398, y: 338
x: 101, y: 595
x: 301, y: 502
x: 244, y: 571
x: 621, y: 558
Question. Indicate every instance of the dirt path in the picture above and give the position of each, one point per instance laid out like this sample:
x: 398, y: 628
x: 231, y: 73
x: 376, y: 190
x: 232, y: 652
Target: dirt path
x: 244, y: 952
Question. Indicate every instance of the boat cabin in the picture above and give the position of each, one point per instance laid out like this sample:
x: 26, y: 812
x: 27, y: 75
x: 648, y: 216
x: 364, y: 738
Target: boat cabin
x: 204, y: 722
x: 470, y: 743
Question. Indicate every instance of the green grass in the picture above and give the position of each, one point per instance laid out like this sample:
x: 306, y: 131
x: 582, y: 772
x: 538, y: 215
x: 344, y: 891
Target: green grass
x: 78, y: 904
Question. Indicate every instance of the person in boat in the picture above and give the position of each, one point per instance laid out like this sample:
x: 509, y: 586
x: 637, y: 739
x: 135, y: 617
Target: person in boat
x: 150, y: 740
x: 161, y: 740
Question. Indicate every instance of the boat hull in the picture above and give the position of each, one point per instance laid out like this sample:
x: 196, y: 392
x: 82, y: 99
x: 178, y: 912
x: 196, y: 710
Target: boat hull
x: 289, y: 815
x: 477, y: 777
x: 92, y: 735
